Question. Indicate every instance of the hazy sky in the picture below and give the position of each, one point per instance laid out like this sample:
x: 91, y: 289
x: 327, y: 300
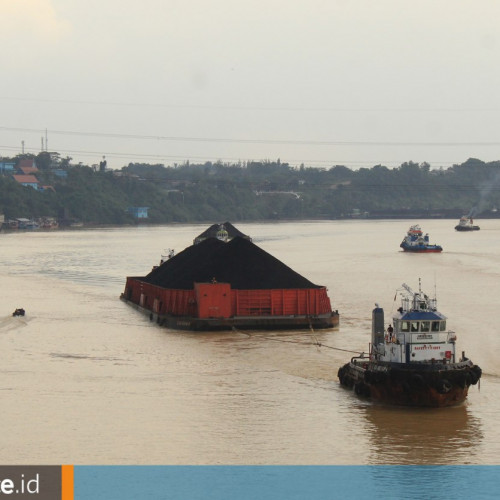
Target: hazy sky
x: 319, y: 82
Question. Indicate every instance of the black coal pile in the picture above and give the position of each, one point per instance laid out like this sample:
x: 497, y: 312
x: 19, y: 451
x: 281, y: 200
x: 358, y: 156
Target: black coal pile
x: 239, y: 262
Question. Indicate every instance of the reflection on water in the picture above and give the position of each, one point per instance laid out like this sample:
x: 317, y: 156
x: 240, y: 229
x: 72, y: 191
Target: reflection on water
x: 422, y: 436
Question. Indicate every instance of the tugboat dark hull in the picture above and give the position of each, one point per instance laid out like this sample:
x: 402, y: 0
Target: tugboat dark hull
x: 423, y: 384
x: 467, y: 228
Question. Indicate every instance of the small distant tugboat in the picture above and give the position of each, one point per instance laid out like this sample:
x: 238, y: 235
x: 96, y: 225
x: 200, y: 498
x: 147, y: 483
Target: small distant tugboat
x: 415, y: 241
x: 466, y: 224
x: 413, y: 363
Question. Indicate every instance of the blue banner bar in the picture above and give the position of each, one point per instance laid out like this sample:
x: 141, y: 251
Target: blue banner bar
x: 382, y: 482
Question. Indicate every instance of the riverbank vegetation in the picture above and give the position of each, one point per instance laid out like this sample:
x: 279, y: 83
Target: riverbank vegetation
x: 261, y: 190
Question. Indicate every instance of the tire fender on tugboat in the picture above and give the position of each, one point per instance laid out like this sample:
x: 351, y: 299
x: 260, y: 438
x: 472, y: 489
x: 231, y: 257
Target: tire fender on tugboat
x: 417, y: 381
x: 443, y: 386
x: 475, y: 374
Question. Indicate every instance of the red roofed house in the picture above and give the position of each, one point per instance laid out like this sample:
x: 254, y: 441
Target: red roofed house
x: 27, y: 166
x: 27, y: 170
x: 26, y: 180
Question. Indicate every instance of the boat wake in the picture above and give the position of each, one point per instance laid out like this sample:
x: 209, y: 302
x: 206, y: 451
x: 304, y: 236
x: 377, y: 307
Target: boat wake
x: 9, y: 323
x: 85, y: 356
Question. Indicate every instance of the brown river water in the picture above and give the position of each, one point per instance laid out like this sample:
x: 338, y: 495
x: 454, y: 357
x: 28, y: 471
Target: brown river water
x: 86, y: 379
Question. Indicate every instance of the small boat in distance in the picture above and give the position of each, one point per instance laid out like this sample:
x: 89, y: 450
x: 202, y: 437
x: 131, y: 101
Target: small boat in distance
x: 413, y: 362
x: 466, y: 224
x: 415, y: 241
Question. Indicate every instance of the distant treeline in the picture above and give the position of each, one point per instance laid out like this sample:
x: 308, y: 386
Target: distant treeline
x: 253, y: 191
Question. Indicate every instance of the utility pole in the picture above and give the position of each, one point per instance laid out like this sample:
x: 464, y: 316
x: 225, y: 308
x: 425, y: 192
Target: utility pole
x: 22, y: 148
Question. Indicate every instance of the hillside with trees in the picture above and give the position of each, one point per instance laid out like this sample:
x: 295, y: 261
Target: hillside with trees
x: 250, y: 191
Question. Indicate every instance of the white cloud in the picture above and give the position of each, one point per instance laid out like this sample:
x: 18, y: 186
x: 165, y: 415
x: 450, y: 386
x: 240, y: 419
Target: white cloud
x: 31, y: 21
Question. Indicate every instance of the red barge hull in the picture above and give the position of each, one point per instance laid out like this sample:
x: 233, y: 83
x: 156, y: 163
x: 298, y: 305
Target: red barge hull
x: 216, y: 306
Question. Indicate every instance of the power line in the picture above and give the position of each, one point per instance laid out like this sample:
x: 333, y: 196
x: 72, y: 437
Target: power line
x: 211, y: 157
x: 252, y: 141
x: 247, y: 108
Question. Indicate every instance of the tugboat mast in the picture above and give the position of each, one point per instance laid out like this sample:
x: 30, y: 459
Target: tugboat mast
x: 420, y: 301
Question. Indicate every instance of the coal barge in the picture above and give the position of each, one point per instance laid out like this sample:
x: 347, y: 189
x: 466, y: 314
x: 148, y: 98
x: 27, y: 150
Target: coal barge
x: 413, y: 363
x: 225, y: 281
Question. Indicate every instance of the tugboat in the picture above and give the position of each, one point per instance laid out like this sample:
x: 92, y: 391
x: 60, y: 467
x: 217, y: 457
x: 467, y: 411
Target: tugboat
x: 413, y: 363
x: 466, y: 224
x: 415, y: 241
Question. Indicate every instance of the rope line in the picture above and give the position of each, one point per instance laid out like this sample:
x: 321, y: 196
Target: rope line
x: 316, y: 343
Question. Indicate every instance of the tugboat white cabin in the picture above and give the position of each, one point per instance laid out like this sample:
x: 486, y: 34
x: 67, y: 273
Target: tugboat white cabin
x: 419, y: 333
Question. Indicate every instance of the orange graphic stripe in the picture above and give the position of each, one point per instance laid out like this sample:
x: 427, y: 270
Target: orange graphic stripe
x: 67, y: 476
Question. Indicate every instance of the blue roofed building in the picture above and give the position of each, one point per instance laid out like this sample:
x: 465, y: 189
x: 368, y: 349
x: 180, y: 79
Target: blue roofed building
x: 138, y: 212
x: 7, y: 167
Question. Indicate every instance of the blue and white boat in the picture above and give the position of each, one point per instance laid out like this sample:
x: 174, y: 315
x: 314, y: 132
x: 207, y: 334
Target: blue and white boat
x: 416, y: 241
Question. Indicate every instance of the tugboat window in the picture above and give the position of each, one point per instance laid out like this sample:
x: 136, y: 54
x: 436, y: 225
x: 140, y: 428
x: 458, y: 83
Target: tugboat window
x: 405, y: 326
x: 443, y: 326
x: 414, y: 326
x: 435, y: 326
x: 425, y: 326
